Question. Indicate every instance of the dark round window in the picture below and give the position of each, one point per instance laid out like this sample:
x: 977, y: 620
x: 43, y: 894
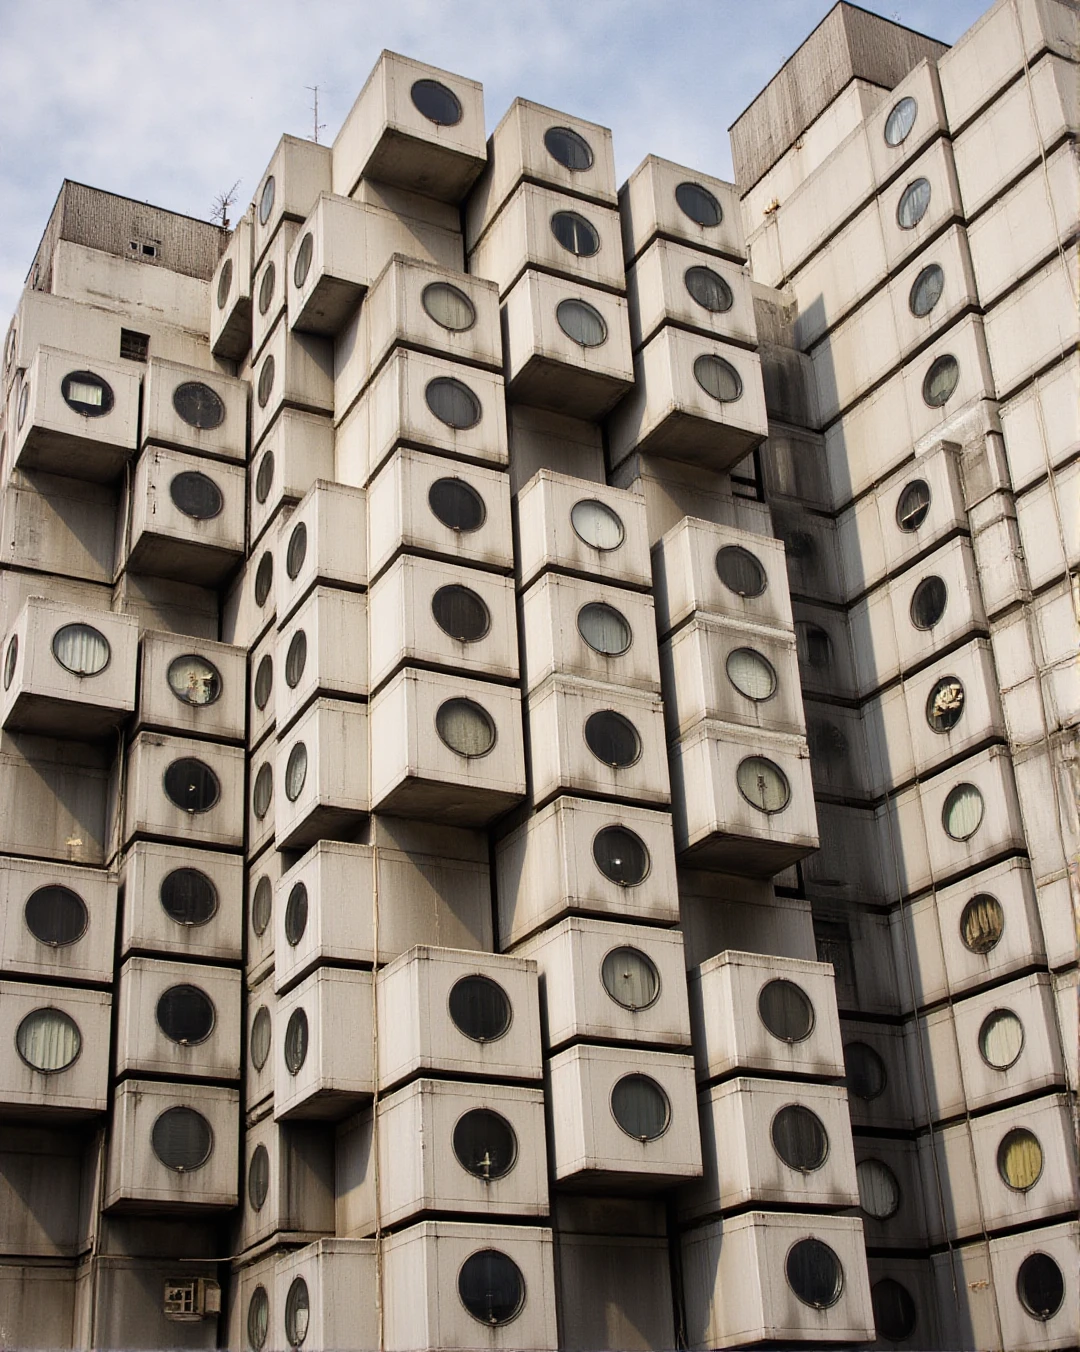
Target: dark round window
x: 982, y: 923
x: 913, y: 505
x: 576, y: 235
x: 612, y: 738
x: 296, y: 912
x: 302, y: 266
x: 261, y: 1032
x: 1040, y: 1286
x: 709, y: 289
x: 630, y: 978
x: 258, y: 1180
x: 740, y: 571
x: 264, y: 578
x: 194, y: 680
x: 941, y: 380
x: 453, y: 403
x: 699, y: 204
x: 296, y: 772
x: 437, y: 103
x: 799, y: 1138
x: 814, y: 1273
x: 491, y: 1287
x: 296, y: 552
x: 945, y: 704
x: 186, y: 1014
x: 485, y: 1144
x: 87, y: 393
x: 264, y: 477
x: 192, y: 785
x: 182, y: 1139
x: 266, y: 287
x: 261, y: 903
x: 763, y: 784
x: 81, y: 649
x: 640, y: 1107
x: 48, y: 1040
x: 879, y: 1192
x: 258, y: 1318
x: 480, y: 1008
x: 786, y: 1011
x: 448, y: 306
x: 196, y: 495
x: 199, y: 405
x: 266, y: 200
x: 894, y: 1310
x: 266, y: 381
x: 56, y: 915
x: 264, y: 681
x: 188, y: 897
x: 620, y: 855
x: 718, y: 378
x: 296, y: 1041
x: 864, y: 1071
x: 913, y: 204
x: 262, y: 792
x: 928, y: 602
x: 582, y: 323
x: 296, y: 659
x: 11, y: 659
x: 900, y: 121
x: 926, y: 290
x: 224, y: 285
x: 604, y: 629
x: 297, y: 1312
x: 461, y: 613
x: 571, y: 150
x: 457, y: 505
x: 465, y: 727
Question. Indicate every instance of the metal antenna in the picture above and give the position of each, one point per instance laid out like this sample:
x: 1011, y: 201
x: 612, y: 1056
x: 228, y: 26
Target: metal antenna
x: 319, y: 126
x: 219, y: 212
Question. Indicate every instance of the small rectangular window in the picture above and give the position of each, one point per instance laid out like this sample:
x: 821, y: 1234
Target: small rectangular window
x: 150, y: 250
x: 134, y: 346
x: 832, y: 938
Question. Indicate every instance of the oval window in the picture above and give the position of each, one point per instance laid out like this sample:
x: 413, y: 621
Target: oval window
x: 188, y: 897
x: 718, y: 378
x: 81, y: 649
x: 640, y: 1107
x: 186, y: 1015
x: 895, y: 1316
x: 296, y: 659
x: 1040, y: 1286
x: 296, y: 769
x: 485, y: 1144
x: 941, y: 380
x: 266, y: 287
x: 928, y: 602
x: 258, y: 1180
x: 596, y: 524
x: 296, y: 913
x: 945, y: 704
x: 814, y: 1273
x: 258, y: 1318
x: 480, y: 1008
x: 264, y: 477
x: 751, y: 674
x: 196, y: 495
x: 465, y: 727
x: 296, y: 1041
x: 963, y: 812
x: 264, y: 578
x: 621, y: 855
x: 582, y: 323
x: 11, y: 659
x: 264, y: 681
x: 86, y: 393
x: 453, y: 403
x: 191, y: 785
x: 612, y: 739
x: 699, y: 204
x: 914, y: 201
x: 1020, y: 1159
x: 302, y: 265
x: 630, y: 977
x: 266, y: 381
x: 982, y: 923
x: 572, y: 151
x: 604, y: 629
x: 194, y: 680
x: 457, y: 505
x: 198, y: 405
x: 709, y: 289
x: 763, y: 784
x: 491, y: 1287
x: 576, y: 235
x: 799, y: 1138
x: 1001, y: 1039
x: 266, y: 200
x: 182, y: 1139
x: 786, y: 1011
x: 297, y: 1312
x: 879, y: 1192
x: 461, y: 613
x: 864, y: 1071
x: 56, y: 915
x: 261, y: 905
x: 224, y: 285
x: 740, y: 571
x: 24, y: 405
x: 900, y: 121
x: 262, y: 792
x: 913, y: 505
x: 296, y: 552
x: 261, y: 1031
x: 448, y: 306
x: 48, y: 1040
x: 437, y: 103
x: 926, y: 290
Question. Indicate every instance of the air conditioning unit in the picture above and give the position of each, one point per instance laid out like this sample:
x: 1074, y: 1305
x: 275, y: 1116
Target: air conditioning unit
x: 294, y: 370
x: 444, y: 1147
x: 888, y: 1171
x: 324, y: 908
x: 415, y: 126
x: 260, y: 1047
x: 878, y: 1077
x: 184, y: 790
x: 184, y: 902
x: 249, y: 607
x: 767, y: 1014
x: 193, y: 410
x: 66, y: 676
x: 322, y: 542
x: 610, y: 982
x: 269, y: 286
x: 191, y: 685
x: 56, y: 1057
x: 287, y: 1183
x: 776, y: 1277
x: 230, y: 291
x: 298, y: 172
x: 65, y: 527
x: 187, y: 517
x: 297, y: 449
x: 187, y: 1299
x: 1036, y: 1284
x: 54, y: 794
x: 323, y: 1058
x: 671, y: 283
x: 262, y: 878
x: 581, y: 857
x: 420, y: 504
x: 322, y: 769
x: 456, y: 1013
x: 263, y: 677
x: 178, y: 1018
x: 1038, y: 424
x: 321, y: 650
x: 662, y: 198
x: 172, y: 1148
x: 470, y: 771
x: 439, y: 405
x: 75, y: 416
x: 56, y: 921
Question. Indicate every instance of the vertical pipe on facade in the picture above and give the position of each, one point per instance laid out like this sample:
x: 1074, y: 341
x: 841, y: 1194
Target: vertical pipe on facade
x: 379, y: 1305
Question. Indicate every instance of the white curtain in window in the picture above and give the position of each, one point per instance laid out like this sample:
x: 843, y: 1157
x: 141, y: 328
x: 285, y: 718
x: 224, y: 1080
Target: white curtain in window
x: 963, y: 811
x: 465, y: 728
x: 48, y: 1040
x: 1001, y: 1038
x: 81, y: 649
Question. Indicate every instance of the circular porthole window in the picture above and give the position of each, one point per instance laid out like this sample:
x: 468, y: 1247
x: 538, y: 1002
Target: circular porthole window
x: 296, y: 913
x: 453, y: 403
x: 198, y: 405
x: 879, y: 1192
x: 718, y: 378
x: 709, y: 289
x: 258, y: 1318
x: 264, y: 477
x: 982, y: 923
x: 457, y: 505
x: 24, y: 405
x: 437, y: 103
x: 569, y: 148
x: 913, y: 204
x: 582, y: 323
x: 296, y: 769
x: 266, y: 381
x: 56, y: 915
x: 620, y: 855
x: 576, y: 235
x: 928, y: 602
x: 87, y: 393
x: 913, y: 505
x: 640, y: 1106
x: 900, y: 121
x: 81, y: 649
x: 751, y: 674
x: 48, y: 1040
x: 261, y: 903
x: 224, y: 285
x: 264, y: 578
x: 799, y: 1138
x: 261, y: 1032
x: 941, y: 381
x: 963, y: 812
x: 297, y: 1312
x: 296, y: 659
x: 182, y: 1139
x: 786, y: 1011
x: 266, y: 287
x: 763, y: 784
x: 814, y: 1273
x: 465, y: 727
x: 612, y: 739
x: 926, y: 290
x: 190, y: 784
x: 194, y: 680
x: 258, y: 1179
x: 302, y: 265
x: 895, y: 1317
x: 188, y: 897
x: 296, y: 1041
x: 266, y: 200
x: 597, y: 525
x: 186, y: 1014
x: 740, y: 571
x: 485, y: 1144
x: 1040, y: 1286
x: 196, y: 495
x: 262, y: 792
x: 699, y: 204
x: 1001, y: 1039
x: 448, y: 306
x: 460, y: 613
x: 264, y: 682
x: 480, y: 1008
x: 630, y: 977
x: 296, y: 552
x: 945, y: 704
x: 11, y: 659
x: 864, y: 1071
x: 491, y: 1287
x: 1020, y: 1159
x: 604, y: 629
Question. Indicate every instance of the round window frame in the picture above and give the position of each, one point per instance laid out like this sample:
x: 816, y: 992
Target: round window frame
x: 576, y: 139
x: 492, y: 728
x: 80, y: 675
x: 640, y: 953
x: 48, y: 1070
x: 619, y: 826
x: 188, y: 703
x: 669, y: 1114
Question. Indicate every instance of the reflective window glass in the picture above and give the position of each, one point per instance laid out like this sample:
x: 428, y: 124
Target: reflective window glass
x: 262, y: 792
x: 302, y: 265
x: 576, y: 235
x: 1001, y: 1039
x: 864, y: 1071
x: 640, y: 1107
x: 612, y: 738
x: 266, y: 200
x: 461, y: 613
x: 194, y: 680
x: 709, y: 289
x: 785, y: 1010
x: 48, y: 1040
x: 763, y: 784
x: 261, y: 904
x: 261, y: 1032
x: 224, y: 285
x: 913, y: 505
x: 296, y: 914
x: 81, y: 649
x: 296, y: 659
x: 597, y: 524
x: 465, y: 727
x: 621, y: 855
x: 1040, y: 1286
x: 188, y: 896
x: 982, y: 923
x: 913, y: 204
x: 480, y: 1008
x: 453, y: 403
x: 491, y: 1287
x: 1020, y: 1159
x: 568, y: 147
x: 182, y: 1139
x: 11, y: 658
x: 199, y: 405
x: 630, y: 978
x: 900, y: 121
x: 699, y: 204
x: 751, y: 674
x: 879, y: 1192
x: 192, y: 785
x: 485, y: 1144
x: 457, y: 505
x: 945, y: 704
x: 264, y: 578
x: 963, y: 812
x: 196, y: 495
x: 86, y: 393
x: 604, y: 629
x: 265, y: 386
x: 296, y: 552
x: 56, y: 915
x: 895, y: 1316
x: 814, y: 1273
x: 941, y: 381
x: 928, y: 602
x: 926, y: 290
x: 718, y: 378
x: 264, y: 681
x: 258, y: 1180
x: 296, y: 769
x: 437, y: 103
x: 799, y: 1138
x: 297, y: 1312
x: 258, y: 1318
x: 296, y: 1041
x: 448, y: 306
x: 186, y: 1015
x: 266, y: 287
x: 582, y: 323
x: 264, y: 476
x: 740, y: 571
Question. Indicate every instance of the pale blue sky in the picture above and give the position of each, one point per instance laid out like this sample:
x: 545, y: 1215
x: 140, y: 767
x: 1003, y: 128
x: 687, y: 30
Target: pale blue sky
x: 172, y: 101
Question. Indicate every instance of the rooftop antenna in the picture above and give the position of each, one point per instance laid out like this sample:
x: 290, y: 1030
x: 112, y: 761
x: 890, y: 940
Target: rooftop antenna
x: 319, y: 126
x: 219, y: 212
